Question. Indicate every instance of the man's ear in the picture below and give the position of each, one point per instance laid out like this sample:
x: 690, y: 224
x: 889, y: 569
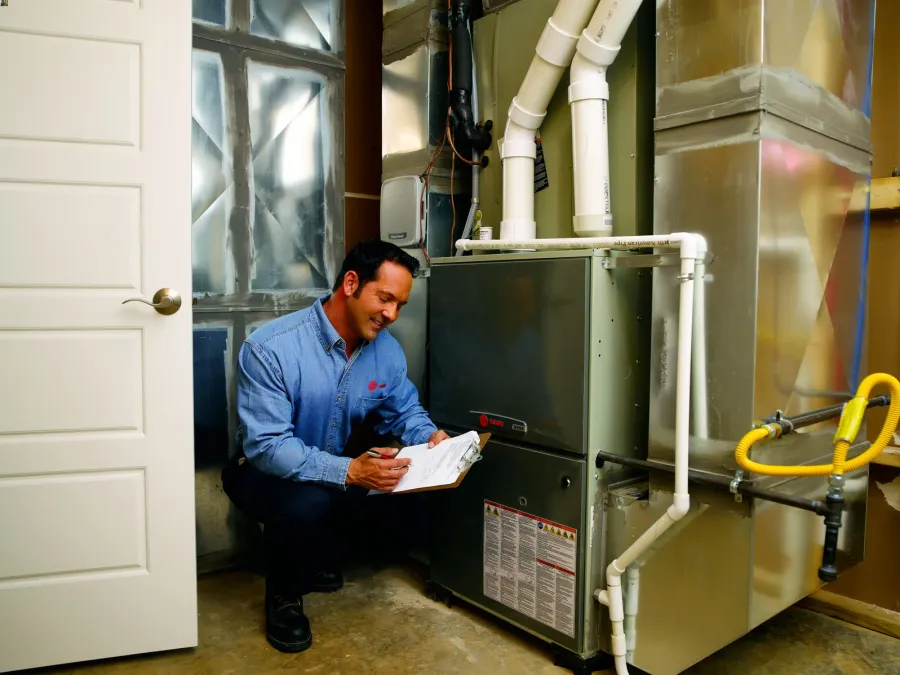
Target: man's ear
x: 351, y: 283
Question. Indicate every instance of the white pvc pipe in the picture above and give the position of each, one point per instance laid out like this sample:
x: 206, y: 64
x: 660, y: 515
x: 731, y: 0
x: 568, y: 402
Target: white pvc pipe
x: 598, y: 47
x: 632, y: 586
x: 553, y: 54
x: 588, y: 96
x: 701, y: 400
x: 690, y: 245
x: 611, y: 20
x: 681, y: 499
x: 692, y: 249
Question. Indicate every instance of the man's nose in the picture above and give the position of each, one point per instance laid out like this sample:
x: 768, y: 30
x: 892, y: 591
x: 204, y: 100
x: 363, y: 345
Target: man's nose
x: 390, y: 312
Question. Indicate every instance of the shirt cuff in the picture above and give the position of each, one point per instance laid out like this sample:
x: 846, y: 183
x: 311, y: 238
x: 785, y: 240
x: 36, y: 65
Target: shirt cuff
x: 422, y: 435
x: 336, y: 471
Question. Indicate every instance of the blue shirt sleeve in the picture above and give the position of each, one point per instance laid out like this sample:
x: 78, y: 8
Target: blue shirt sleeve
x: 402, y: 415
x: 267, y: 429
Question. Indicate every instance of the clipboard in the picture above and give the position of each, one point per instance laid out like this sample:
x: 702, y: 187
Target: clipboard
x: 468, y: 461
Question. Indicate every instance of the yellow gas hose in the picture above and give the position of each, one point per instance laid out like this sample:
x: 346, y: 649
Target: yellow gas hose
x: 848, y: 427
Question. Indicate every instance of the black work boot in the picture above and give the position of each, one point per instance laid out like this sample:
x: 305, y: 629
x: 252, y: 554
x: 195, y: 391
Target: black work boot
x: 327, y: 582
x: 287, y: 628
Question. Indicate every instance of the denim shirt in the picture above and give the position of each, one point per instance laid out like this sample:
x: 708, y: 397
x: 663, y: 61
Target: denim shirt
x: 299, y: 394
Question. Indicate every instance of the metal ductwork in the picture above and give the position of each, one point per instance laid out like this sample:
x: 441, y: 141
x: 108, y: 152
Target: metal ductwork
x: 762, y: 135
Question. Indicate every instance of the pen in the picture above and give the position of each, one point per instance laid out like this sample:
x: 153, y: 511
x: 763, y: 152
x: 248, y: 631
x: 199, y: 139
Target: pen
x: 378, y: 455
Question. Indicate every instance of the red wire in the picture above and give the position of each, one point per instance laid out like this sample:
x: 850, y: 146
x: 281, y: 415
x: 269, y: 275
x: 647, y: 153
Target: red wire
x: 455, y: 151
x: 452, y: 203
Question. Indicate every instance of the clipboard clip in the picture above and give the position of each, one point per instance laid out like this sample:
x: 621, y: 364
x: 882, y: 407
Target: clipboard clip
x: 473, y: 454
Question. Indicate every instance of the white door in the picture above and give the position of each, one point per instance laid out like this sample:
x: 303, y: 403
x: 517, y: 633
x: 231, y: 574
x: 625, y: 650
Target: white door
x: 96, y: 455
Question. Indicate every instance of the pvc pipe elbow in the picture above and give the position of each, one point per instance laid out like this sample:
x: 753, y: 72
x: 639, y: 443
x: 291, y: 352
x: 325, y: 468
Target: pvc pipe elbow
x: 614, y: 574
x: 681, y: 504
x: 693, y: 245
x: 588, y: 81
x: 518, y: 141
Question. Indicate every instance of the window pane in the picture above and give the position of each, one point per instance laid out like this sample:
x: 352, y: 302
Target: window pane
x: 305, y: 23
x: 211, y: 178
x: 289, y: 131
x: 211, y: 11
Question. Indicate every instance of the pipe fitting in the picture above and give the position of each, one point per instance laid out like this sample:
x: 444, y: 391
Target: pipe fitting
x: 518, y: 148
x: 598, y: 54
x: 616, y: 602
x: 589, y: 89
x: 555, y: 45
x: 692, y: 245
x: 524, y: 118
x: 681, y: 504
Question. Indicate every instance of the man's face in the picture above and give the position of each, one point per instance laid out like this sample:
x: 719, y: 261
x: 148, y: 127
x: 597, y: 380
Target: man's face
x: 377, y: 304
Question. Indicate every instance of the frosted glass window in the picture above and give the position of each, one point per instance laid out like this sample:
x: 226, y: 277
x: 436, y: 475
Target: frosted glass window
x: 211, y: 11
x: 305, y: 23
x: 289, y: 133
x: 212, y: 192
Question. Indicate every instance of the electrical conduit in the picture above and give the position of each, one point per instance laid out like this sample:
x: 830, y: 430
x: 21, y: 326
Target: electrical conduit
x: 597, y: 49
x: 692, y: 250
x: 553, y: 54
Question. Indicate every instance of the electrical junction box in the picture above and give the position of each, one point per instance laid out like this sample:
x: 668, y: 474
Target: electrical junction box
x: 403, y: 210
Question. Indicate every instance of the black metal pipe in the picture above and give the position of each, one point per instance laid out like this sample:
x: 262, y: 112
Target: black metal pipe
x: 807, y: 419
x: 467, y: 133
x: 833, y: 520
x: 720, y: 482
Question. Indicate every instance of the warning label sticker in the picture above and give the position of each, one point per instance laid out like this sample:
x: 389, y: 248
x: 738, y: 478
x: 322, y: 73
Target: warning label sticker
x: 529, y: 565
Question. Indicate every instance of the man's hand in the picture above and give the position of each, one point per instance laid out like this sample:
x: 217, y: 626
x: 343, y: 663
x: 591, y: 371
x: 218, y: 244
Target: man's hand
x: 377, y: 474
x: 437, y: 437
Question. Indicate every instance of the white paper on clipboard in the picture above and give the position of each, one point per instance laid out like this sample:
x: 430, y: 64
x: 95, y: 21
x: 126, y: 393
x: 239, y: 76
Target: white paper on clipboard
x: 440, y: 466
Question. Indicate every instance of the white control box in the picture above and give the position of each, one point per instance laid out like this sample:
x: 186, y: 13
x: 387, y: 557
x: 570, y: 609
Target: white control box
x: 403, y: 211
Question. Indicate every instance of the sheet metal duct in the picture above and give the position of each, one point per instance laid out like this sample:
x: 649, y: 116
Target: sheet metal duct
x: 762, y: 134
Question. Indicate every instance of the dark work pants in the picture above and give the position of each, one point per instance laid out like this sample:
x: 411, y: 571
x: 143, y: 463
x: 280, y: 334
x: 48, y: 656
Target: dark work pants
x: 309, y: 528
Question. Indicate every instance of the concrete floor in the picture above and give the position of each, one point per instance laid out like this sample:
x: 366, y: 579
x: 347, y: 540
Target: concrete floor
x: 381, y: 622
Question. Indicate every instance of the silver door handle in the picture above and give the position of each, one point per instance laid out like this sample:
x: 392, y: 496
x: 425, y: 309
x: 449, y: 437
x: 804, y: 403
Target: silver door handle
x: 166, y: 301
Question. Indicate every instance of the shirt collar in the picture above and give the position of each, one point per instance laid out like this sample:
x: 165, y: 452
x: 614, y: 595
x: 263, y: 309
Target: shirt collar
x: 328, y: 336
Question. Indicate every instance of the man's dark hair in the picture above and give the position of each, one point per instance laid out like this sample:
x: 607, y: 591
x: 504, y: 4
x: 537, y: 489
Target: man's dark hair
x: 367, y: 257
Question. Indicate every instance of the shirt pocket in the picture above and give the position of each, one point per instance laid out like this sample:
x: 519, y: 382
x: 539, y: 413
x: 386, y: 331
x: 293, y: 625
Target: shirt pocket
x: 367, y: 403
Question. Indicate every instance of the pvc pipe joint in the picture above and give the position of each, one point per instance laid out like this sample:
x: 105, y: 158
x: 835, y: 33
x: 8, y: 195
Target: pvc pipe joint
x: 598, y: 54
x: 586, y: 89
x: 556, y: 46
x: 524, y: 118
x: 518, y: 149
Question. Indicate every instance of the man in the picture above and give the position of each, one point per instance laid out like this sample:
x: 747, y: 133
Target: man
x: 304, y: 381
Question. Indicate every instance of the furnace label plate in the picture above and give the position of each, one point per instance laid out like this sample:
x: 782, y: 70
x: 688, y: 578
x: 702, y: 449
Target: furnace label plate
x: 529, y: 565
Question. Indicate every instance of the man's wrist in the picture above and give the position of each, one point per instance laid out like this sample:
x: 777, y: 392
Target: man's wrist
x: 350, y: 476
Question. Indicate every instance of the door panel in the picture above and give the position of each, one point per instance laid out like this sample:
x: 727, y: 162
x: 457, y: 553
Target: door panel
x: 96, y: 452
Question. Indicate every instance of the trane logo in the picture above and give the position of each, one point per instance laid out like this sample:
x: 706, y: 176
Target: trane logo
x: 485, y: 421
x: 396, y: 236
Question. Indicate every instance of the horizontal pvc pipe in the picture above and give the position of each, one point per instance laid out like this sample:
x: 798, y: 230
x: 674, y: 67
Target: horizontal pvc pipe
x: 690, y: 245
